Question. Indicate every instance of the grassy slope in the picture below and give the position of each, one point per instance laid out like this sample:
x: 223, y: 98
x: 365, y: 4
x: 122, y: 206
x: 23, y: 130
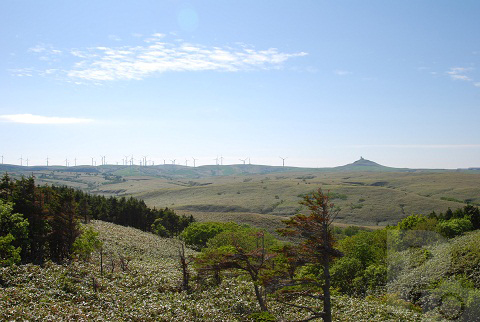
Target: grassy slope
x: 371, y: 198
x: 147, y: 291
x: 375, y: 195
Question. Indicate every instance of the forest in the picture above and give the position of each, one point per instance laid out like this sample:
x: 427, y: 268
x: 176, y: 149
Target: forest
x: 425, y: 267
x: 41, y: 223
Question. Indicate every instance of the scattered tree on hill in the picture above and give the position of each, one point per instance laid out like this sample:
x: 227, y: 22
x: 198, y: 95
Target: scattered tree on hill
x: 246, y: 250
x: 317, y: 250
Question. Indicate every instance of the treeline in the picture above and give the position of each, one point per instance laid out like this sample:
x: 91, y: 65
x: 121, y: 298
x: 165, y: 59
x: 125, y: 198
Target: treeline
x: 42, y: 222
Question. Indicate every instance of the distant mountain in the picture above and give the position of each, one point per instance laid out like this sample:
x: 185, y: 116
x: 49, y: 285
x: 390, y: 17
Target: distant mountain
x: 367, y: 165
x: 179, y: 171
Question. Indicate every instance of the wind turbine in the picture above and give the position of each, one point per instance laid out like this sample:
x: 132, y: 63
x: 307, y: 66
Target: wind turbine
x: 27, y: 162
x: 75, y: 161
x: 145, y: 160
x: 92, y: 161
x: 66, y: 162
x: 173, y: 161
x: 186, y: 162
x: 216, y: 161
x: 47, y: 161
x: 103, y: 159
x: 221, y: 160
x: 249, y: 160
x: 243, y: 160
x: 283, y: 161
x: 194, y: 161
x: 21, y: 161
x: 2, y: 159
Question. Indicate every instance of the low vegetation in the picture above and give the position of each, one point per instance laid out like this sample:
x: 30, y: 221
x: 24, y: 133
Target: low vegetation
x: 425, y: 267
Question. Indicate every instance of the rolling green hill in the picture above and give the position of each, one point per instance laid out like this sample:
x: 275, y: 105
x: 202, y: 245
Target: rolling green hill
x: 366, y: 193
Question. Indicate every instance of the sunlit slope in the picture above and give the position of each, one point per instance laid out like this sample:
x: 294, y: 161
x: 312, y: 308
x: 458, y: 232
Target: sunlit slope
x: 366, y: 193
x: 367, y: 198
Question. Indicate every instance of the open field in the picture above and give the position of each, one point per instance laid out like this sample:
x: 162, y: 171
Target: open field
x: 365, y: 193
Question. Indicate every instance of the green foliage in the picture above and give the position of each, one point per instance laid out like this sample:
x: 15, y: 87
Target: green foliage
x: 465, y: 258
x: 87, y: 243
x: 344, y: 271
x: 197, y: 234
x: 13, y: 234
x: 244, y: 237
x: 9, y: 255
x: 247, y: 250
x: 454, y: 227
x: 411, y: 221
x: 368, y: 247
x: 159, y: 229
x: 13, y: 223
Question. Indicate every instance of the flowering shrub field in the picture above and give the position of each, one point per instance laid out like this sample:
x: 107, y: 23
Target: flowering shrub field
x: 141, y: 282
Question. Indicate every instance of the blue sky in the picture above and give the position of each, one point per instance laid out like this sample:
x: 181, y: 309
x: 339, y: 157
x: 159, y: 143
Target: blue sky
x: 319, y: 82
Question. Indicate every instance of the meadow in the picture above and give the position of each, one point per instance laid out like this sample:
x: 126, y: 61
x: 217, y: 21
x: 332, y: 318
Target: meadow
x: 365, y: 193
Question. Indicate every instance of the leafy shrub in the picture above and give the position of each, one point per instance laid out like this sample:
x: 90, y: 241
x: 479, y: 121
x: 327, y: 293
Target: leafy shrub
x: 454, y: 227
x: 9, y: 255
x: 86, y: 243
x: 411, y: 221
x: 343, y: 272
x: 159, y: 229
x: 196, y: 235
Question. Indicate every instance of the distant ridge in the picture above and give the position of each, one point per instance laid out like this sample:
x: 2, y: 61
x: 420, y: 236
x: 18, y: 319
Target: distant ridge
x: 179, y: 171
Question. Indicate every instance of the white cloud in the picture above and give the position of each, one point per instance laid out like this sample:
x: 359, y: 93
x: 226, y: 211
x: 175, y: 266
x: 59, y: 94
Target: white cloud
x: 461, y: 74
x: 157, y: 55
x: 340, y: 72
x: 458, y: 73
x: 38, y: 119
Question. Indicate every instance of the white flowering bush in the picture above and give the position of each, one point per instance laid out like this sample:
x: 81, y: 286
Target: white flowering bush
x: 140, y: 282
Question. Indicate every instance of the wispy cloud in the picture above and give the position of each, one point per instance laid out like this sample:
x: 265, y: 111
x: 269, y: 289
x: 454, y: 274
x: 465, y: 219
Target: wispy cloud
x: 340, y: 72
x: 39, y: 119
x: 459, y: 73
x: 420, y: 146
x: 157, y: 55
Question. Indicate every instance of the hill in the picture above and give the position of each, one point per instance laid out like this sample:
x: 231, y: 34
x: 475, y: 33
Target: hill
x: 367, y: 193
x: 140, y: 283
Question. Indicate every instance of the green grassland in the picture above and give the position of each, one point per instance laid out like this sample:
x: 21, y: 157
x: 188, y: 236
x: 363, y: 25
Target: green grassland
x: 364, y: 198
x: 146, y: 288
x: 365, y: 192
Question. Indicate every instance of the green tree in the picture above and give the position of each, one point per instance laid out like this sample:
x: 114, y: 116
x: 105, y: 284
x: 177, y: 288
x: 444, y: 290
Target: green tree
x: 198, y: 234
x: 87, y: 243
x: 315, y: 249
x: 248, y: 250
x: 13, y: 234
x: 454, y: 227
